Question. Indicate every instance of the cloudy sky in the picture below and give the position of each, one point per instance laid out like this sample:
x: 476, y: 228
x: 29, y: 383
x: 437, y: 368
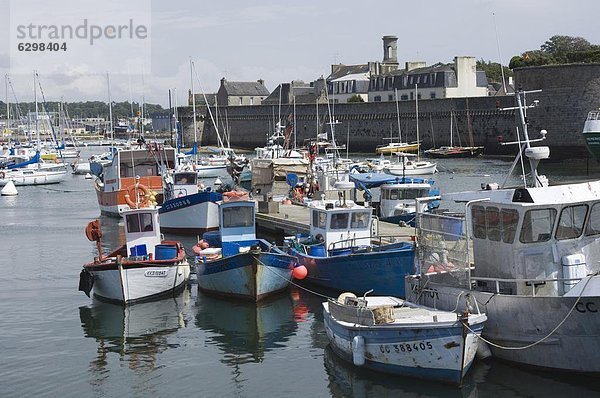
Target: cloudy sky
x: 294, y: 40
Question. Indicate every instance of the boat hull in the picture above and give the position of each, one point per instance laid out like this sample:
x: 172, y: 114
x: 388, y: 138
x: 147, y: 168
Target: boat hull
x: 383, y: 271
x: 191, y: 214
x: 389, y: 149
x: 411, y: 171
x: 248, y: 276
x: 33, y: 177
x: 518, y: 321
x: 591, y: 134
x: 431, y: 351
x: 455, y: 152
x: 131, y: 282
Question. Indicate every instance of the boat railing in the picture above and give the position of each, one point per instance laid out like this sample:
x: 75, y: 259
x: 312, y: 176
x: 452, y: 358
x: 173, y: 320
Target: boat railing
x: 533, y: 283
x: 594, y: 115
x: 351, y: 243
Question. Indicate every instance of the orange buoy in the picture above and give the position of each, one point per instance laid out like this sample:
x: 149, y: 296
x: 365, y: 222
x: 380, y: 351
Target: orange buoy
x: 300, y: 272
x: 134, y: 191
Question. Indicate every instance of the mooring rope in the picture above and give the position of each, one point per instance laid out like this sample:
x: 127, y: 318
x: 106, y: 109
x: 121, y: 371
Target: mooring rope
x: 549, y: 334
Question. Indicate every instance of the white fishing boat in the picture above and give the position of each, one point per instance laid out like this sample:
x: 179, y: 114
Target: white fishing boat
x: 591, y: 133
x: 185, y: 208
x: 144, y: 268
x: 529, y: 255
x: 391, y: 335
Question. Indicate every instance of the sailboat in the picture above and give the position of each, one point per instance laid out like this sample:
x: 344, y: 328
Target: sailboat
x: 32, y: 172
x: 454, y: 151
x: 407, y: 167
x: 395, y: 147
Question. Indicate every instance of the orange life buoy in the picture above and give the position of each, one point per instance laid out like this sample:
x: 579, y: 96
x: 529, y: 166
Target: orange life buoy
x: 234, y: 194
x: 140, y: 192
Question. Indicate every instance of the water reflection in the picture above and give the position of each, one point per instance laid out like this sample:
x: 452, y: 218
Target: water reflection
x: 345, y: 380
x: 136, y: 333
x: 243, y: 330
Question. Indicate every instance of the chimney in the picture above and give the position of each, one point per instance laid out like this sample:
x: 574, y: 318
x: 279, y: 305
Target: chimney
x: 261, y: 81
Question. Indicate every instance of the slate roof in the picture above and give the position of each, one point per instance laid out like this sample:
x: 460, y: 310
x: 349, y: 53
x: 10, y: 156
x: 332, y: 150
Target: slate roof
x: 343, y: 70
x: 245, y: 88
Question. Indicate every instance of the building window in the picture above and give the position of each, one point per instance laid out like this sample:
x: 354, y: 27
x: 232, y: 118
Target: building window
x: 241, y: 100
x: 432, y: 94
x: 377, y: 98
x: 390, y: 97
x: 404, y: 97
x: 412, y: 95
x: 251, y: 100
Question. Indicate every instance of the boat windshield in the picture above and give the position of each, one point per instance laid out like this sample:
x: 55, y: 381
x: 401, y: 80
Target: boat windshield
x: 235, y: 217
x: 139, y: 222
x: 537, y: 225
x: 339, y: 220
x: 360, y: 220
x: 185, y: 178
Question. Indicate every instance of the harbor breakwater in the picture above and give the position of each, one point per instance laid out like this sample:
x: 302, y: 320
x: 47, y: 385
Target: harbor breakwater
x: 569, y: 92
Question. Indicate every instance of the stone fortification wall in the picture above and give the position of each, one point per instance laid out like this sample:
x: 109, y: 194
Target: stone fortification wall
x: 569, y: 92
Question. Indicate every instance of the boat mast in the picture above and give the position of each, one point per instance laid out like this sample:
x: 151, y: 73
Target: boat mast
x: 417, y: 115
x: 194, y: 103
x: 451, y: 117
x: 398, y: 117
x: 37, y: 130
x: 110, y: 115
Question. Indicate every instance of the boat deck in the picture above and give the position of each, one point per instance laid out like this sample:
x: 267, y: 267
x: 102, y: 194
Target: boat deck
x: 294, y: 219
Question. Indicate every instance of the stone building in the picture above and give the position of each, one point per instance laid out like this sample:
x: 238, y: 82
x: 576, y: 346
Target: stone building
x: 298, y: 92
x: 241, y: 93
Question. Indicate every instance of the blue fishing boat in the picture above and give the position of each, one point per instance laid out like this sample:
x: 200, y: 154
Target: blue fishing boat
x: 338, y: 254
x: 234, y: 262
x: 397, y: 195
x: 391, y: 335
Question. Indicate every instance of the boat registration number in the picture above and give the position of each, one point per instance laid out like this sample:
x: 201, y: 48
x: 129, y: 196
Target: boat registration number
x: 405, y: 347
x: 161, y: 273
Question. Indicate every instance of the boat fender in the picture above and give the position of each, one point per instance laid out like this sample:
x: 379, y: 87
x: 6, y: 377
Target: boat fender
x: 358, y: 350
x: 144, y: 197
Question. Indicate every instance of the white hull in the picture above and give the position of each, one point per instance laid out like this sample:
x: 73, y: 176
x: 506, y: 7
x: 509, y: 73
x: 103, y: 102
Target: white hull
x: 412, y: 170
x: 135, y: 284
x: 32, y: 177
x: 518, y: 321
x: 210, y: 170
x: 195, y: 218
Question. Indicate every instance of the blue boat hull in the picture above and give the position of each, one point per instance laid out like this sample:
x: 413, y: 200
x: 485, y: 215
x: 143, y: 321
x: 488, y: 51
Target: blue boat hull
x: 250, y: 276
x: 383, y: 271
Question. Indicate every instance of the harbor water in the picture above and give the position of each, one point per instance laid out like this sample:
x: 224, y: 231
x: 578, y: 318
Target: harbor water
x: 57, y: 342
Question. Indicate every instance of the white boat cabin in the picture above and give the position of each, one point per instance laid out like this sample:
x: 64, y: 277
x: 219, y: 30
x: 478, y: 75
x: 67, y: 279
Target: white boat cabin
x: 548, y: 234
x: 399, y: 199
x: 184, y: 183
x: 142, y: 231
x: 340, y: 224
x: 237, y: 226
x: 129, y: 163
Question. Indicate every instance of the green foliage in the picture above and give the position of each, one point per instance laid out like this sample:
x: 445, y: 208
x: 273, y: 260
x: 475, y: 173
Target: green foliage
x: 492, y: 70
x: 120, y: 110
x: 559, y: 50
x: 356, y: 98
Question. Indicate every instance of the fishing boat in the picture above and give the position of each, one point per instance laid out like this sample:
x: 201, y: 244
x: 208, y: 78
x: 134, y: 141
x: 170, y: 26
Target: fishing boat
x: 529, y: 255
x: 234, y: 263
x: 144, y: 268
x: 185, y: 209
x: 397, y: 199
x: 131, y: 175
x: 591, y: 133
x: 391, y: 335
x: 338, y: 253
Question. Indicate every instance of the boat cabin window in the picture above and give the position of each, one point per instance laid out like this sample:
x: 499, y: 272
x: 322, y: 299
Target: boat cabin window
x: 185, y: 179
x: 140, y: 222
x: 235, y: 217
x: 492, y: 220
x: 570, y: 223
x: 478, y: 216
x: 537, y: 225
x: 593, y: 224
x: 339, y: 221
x: 319, y: 219
x: 509, y: 219
x: 360, y: 220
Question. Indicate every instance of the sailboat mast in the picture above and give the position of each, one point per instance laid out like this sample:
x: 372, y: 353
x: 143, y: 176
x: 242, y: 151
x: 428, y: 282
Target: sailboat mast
x: 451, y: 117
x: 193, y: 101
x: 397, y: 116
x: 37, y: 130
x: 417, y: 115
x: 110, y: 115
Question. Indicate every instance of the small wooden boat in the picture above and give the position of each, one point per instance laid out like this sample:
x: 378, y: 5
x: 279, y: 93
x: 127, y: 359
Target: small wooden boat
x: 142, y: 269
x: 234, y: 262
x: 391, y: 335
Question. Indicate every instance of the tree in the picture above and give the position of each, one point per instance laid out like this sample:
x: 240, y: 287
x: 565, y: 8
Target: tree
x: 558, y: 50
x: 492, y: 71
x: 356, y: 98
